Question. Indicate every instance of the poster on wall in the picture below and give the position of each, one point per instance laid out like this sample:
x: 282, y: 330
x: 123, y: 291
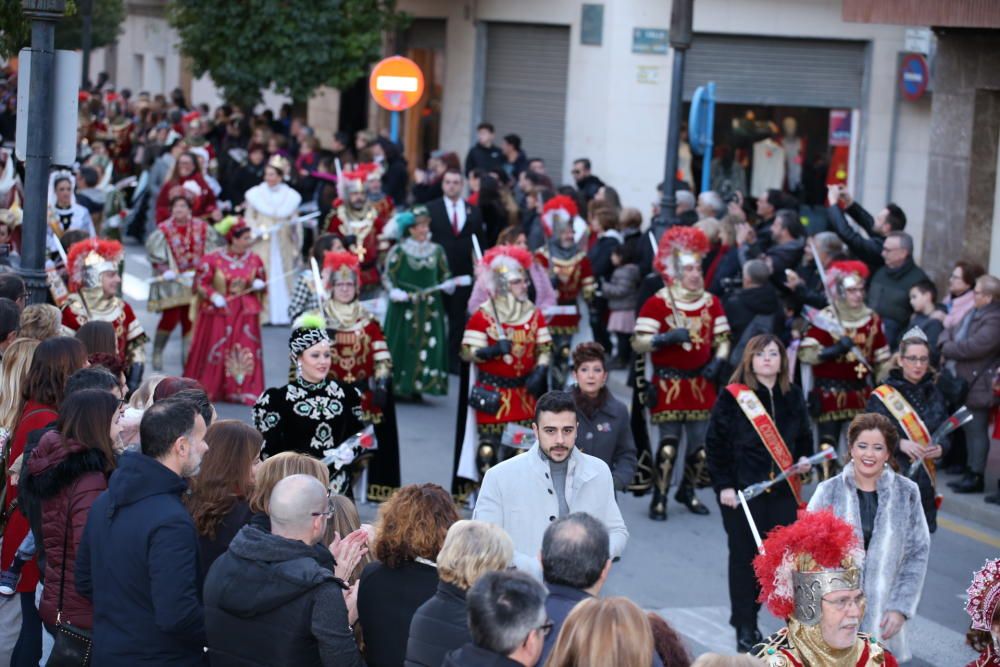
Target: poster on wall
x: 840, y: 146
x: 840, y: 127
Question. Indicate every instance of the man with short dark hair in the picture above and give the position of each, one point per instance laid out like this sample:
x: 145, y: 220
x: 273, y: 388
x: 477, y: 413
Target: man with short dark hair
x: 12, y: 287
x: 889, y: 289
x: 753, y: 310
x: 272, y: 598
x: 506, y: 620
x: 514, y: 160
x: 536, y: 165
x: 484, y: 154
x: 586, y: 182
x: 10, y: 323
x: 787, y: 244
x: 526, y: 493
x: 575, y: 565
x: 138, y: 558
x: 866, y: 248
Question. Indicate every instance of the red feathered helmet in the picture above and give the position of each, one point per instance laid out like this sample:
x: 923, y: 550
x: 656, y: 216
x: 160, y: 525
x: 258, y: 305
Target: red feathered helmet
x: 504, y: 262
x: 679, y: 246
x: 846, y: 274
x: 352, y: 181
x: 800, y: 563
x: 87, y: 260
x: 557, y: 213
x: 342, y: 265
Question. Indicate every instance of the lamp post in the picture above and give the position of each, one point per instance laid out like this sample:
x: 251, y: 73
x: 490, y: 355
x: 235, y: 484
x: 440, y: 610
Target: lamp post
x: 38, y: 154
x: 681, y: 17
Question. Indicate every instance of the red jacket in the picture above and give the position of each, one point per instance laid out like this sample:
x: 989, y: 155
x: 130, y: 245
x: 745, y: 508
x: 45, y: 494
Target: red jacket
x: 33, y: 417
x: 67, y: 478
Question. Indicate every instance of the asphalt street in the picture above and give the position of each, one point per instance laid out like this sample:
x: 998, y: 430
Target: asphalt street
x: 677, y: 568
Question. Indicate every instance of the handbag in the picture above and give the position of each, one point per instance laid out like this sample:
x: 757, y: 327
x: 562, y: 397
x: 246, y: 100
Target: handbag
x: 953, y: 388
x: 484, y: 400
x: 73, y: 645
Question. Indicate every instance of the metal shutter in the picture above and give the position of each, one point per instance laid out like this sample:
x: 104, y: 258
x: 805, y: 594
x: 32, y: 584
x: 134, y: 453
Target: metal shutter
x: 525, y: 89
x: 777, y: 71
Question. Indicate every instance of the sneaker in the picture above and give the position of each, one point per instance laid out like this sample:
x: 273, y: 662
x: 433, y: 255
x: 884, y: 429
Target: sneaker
x: 8, y: 583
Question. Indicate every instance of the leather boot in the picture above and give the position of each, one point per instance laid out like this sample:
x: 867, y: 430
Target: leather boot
x: 159, y: 342
x: 642, y: 481
x: 971, y: 483
x: 747, y: 636
x: 694, y: 465
x: 666, y: 455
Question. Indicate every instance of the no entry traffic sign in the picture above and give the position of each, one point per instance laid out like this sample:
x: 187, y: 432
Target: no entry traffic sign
x: 914, y: 75
x: 396, y: 83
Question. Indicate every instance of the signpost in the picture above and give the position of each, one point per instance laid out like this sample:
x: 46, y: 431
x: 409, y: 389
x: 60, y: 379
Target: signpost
x: 396, y: 84
x: 701, y: 121
x: 914, y: 75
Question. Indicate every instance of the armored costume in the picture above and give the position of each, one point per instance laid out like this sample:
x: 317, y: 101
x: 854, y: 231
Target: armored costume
x: 509, y: 348
x: 686, y: 336
x: 570, y: 273
x: 360, y: 226
x: 799, y: 566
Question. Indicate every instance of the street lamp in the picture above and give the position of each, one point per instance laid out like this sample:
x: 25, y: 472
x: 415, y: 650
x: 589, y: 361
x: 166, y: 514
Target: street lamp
x: 38, y: 154
x: 681, y: 18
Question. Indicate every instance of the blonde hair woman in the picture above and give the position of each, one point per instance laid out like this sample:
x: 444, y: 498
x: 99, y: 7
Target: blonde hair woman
x: 277, y: 468
x: 612, y: 631
x: 40, y: 321
x: 13, y: 373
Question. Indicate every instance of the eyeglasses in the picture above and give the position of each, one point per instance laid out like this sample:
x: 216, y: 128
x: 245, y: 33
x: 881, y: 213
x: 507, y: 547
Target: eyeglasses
x: 917, y: 360
x: 330, y: 507
x: 546, y: 628
x: 841, y: 604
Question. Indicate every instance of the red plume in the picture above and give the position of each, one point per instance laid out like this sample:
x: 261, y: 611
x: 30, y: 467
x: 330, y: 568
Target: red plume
x: 109, y: 250
x: 522, y: 256
x: 334, y: 261
x: 828, y: 539
x: 561, y: 202
x: 849, y: 266
x: 679, y: 239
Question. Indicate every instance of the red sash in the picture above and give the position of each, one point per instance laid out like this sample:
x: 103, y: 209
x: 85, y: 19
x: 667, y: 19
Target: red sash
x: 908, y: 418
x: 768, y: 432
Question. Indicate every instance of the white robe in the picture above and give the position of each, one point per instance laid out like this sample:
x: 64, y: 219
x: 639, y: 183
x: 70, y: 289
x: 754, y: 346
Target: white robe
x: 268, y: 207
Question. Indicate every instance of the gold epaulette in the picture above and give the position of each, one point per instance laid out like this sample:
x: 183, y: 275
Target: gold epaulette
x: 769, y: 650
x: 876, y: 652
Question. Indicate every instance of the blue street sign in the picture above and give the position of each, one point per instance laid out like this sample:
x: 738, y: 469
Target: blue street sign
x: 701, y: 122
x: 914, y: 75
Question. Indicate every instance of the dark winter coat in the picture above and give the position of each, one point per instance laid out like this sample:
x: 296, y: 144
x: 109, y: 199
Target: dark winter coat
x: 471, y: 655
x: 387, y: 600
x: 889, y: 295
x: 727, y: 269
x: 558, y: 605
x: 785, y: 256
x: 30, y: 504
x: 868, y: 250
x: 138, y: 564
x: 607, y: 434
x: 210, y: 548
x: 275, y: 601
x: 600, y: 254
x: 484, y: 157
x: 743, y: 306
x: 622, y: 289
x: 977, y: 356
x: 439, y: 626
x: 589, y: 185
x: 736, y: 456
x: 67, y: 479
x: 810, y: 291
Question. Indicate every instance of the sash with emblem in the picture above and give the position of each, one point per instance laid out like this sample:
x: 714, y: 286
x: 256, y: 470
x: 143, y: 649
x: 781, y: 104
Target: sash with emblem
x: 912, y: 424
x: 768, y: 432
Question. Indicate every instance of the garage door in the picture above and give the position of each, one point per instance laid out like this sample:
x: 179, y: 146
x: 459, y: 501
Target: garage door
x: 777, y: 71
x: 525, y: 88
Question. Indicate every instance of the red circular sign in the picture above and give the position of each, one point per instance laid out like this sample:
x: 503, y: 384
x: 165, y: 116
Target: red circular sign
x: 914, y: 75
x: 396, y: 83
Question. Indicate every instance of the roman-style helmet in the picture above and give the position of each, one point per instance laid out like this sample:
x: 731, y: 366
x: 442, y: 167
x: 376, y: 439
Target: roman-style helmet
x: 679, y: 246
x: 87, y: 260
x: 503, y: 263
x: 342, y: 265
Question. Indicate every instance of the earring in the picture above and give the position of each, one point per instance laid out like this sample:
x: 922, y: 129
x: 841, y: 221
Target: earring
x: 298, y: 368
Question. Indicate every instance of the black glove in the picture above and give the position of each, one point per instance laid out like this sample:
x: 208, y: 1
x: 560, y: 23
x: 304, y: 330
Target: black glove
x: 380, y: 396
x: 673, y: 337
x: 838, y: 349
x: 501, y: 348
x: 712, y: 370
x: 536, y: 380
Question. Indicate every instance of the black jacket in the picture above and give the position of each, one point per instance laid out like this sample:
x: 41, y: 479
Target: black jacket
x: 868, y: 250
x: 889, y: 295
x: 600, y: 255
x: 558, y: 605
x: 736, y: 456
x: 810, y: 292
x: 458, y: 249
x: 471, y: 655
x: 589, y: 185
x: 138, y: 563
x: 746, y: 304
x: 387, y: 600
x: 608, y: 436
x: 439, y: 626
x: 275, y: 601
x: 484, y: 157
x: 211, y: 548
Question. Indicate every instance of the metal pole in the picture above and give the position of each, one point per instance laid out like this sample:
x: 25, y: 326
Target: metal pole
x: 890, y: 176
x: 681, y: 20
x: 86, y: 37
x: 38, y: 153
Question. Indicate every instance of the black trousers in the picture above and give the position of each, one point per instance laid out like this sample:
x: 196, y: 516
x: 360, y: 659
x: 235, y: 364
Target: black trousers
x: 769, y: 510
x: 455, y: 306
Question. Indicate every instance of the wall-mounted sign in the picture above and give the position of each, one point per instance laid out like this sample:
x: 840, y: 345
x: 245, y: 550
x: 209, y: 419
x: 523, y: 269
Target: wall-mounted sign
x: 914, y: 75
x: 840, y: 127
x: 592, y: 25
x: 647, y: 74
x: 650, y: 41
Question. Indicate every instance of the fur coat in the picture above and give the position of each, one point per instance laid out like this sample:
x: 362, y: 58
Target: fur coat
x: 896, y: 560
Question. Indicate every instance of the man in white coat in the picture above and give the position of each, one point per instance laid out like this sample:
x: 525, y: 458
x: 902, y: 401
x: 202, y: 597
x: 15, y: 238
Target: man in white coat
x: 553, y: 479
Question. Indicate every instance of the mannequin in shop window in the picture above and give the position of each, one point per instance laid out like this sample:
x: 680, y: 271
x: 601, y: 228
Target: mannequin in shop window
x: 794, y: 147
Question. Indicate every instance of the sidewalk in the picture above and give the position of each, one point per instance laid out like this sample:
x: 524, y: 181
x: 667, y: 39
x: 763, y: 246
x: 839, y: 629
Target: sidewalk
x: 970, y: 506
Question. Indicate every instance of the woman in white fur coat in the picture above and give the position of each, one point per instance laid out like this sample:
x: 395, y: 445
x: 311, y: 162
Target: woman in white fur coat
x: 887, y: 516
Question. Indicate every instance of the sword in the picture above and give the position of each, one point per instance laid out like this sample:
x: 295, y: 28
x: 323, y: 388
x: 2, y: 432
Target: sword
x: 753, y: 526
x: 457, y: 281
x: 961, y: 417
x: 501, y: 334
x: 675, y: 314
x: 321, y: 295
x: 263, y: 232
x: 834, y: 328
x: 757, y: 489
x: 821, y: 270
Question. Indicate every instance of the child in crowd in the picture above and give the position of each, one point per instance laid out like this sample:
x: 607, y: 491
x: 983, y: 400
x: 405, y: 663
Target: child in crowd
x: 622, y: 294
x: 926, y: 314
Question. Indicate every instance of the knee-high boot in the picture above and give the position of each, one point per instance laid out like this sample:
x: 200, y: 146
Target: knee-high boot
x: 694, y: 469
x: 159, y: 342
x: 666, y: 455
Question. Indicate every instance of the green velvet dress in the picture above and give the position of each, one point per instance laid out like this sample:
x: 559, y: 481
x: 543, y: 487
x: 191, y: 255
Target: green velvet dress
x: 415, y: 330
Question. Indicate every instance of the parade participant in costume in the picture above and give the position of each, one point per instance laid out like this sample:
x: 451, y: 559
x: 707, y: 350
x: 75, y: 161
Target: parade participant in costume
x: 185, y: 174
x: 359, y: 223
x: 983, y: 607
x: 271, y: 209
x: 509, y: 349
x: 685, y: 332
x: 810, y: 574
x: 94, y: 283
x: 373, y: 187
x: 226, y: 355
x: 571, y: 275
x: 11, y: 188
x: 759, y: 428
x: 65, y: 213
x: 304, y: 296
x: 175, y: 250
x: 843, y: 382
x: 884, y: 508
x: 361, y: 360
x: 416, y: 272
x: 911, y: 399
x: 314, y: 413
